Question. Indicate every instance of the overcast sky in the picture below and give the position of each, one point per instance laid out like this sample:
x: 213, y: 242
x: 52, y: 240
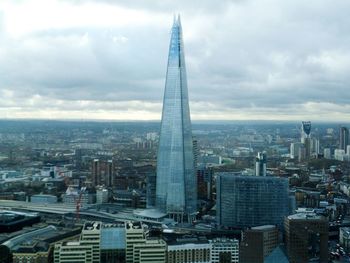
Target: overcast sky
x: 106, y: 59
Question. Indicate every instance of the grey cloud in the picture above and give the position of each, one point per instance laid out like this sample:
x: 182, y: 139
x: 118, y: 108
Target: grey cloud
x: 271, y: 55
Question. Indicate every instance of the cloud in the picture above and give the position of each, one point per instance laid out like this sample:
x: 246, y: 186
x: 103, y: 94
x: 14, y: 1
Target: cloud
x: 107, y: 59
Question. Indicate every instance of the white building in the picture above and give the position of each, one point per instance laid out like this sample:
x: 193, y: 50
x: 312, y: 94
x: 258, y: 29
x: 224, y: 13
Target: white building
x: 222, y: 248
x: 339, y: 154
x: 327, y: 153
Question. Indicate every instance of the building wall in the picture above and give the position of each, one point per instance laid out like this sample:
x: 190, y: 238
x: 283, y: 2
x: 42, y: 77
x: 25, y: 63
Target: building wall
x: 247, y: 201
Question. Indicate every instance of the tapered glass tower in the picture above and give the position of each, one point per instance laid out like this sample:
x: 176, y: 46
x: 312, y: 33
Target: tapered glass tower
x: 176, y: 192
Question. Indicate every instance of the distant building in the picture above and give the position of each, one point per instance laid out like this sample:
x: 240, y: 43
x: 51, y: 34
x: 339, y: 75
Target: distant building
x: 306, y: 237
x: 43, y: 199
x: 327, y: 153
x: 344, y: 237
x: 102, y: 172
x: 151, y: 189
x: 257, y: 243
x: 135, y: 233
x: 343, y: 138
x: 260, y: 164
x: 102, y: 195
x: 205, y: 177
x: 247, y: 201
x: 339, y: 154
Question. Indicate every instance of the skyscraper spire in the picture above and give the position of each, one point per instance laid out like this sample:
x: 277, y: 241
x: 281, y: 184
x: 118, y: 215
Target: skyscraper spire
x: 176, y: 191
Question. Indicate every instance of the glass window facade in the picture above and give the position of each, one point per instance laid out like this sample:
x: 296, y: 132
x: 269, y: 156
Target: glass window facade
x: 176, y: 182
x: 247, y: 201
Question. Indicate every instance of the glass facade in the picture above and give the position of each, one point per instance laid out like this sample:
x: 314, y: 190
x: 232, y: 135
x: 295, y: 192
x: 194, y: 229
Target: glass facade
x: 176, y: 191
x: 247, y: 201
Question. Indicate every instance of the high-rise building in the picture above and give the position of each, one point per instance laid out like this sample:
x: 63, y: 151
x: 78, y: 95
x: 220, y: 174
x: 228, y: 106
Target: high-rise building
x: 102, y: 172
x: 176, y: 191
x: 294, y: 149
x: 257, y: 243
x: 343, y: 138
x: 306, y: 238
x: 260, y: 164
x: 248, y: 201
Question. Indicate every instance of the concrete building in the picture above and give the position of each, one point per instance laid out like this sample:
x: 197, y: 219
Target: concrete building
x: 327, y: 153
x: 91, y: 236
x: 344, y: 237
x: 339, y: 154
x: 224, y: 250
x: 306, y: 237
x: 343, y: 138
x: 260, y: 164
x: 102, y: 196
x: 257, y: 243
x: 102, y: 172
x: 247, y: 201
x: 73, y: 251
x: 135, y: 233
x: 188, y: 250
x: 151, y: 251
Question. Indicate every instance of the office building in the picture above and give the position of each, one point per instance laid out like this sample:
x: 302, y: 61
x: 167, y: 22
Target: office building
x: 248, y: 201
x: 343, y: 138
x: 91, y: 236
x: 260, y: 164
x: 327, y: 153
x: 224, y: 250
x: 73, y: 251
x: 188, y: 249
x: 344, y: 237
x: 135, y: 233
x: 306, y: 238
x: 113, y: 243
x: 176, y: 191
x: 257, y: 243
x: 102, y: 195
x: 294, y: 149
x: 102, y: 172
x: 205, y: 175
x: 151, y: 251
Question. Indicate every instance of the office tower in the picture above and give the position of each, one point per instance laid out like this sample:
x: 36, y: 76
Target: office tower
x: 248, y: 201
x: 305, y: 130
x: 102, y: 173
x: 260, y: 164
x: 306, y: 139
x: 95, y: 171
x: 343, y: 138
x: 205, y: 175
x: 188, y: 249
x: 257, y: 243
x: 327, y: 153
x: 151, y: 189
x: 224, y: 250
x: 91, y: 236
x: 306, y: 237
x: 176, y: 192
x: 151, y: 251
x: 294, y: 149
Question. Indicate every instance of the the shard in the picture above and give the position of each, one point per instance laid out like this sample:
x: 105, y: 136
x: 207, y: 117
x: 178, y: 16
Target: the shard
x: 176, y: 191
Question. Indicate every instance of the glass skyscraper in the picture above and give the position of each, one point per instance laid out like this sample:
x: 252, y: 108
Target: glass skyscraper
x: 176, y: 191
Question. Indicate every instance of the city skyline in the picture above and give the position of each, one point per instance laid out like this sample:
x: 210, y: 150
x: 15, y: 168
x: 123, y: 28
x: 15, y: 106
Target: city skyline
x: 247, y: 60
